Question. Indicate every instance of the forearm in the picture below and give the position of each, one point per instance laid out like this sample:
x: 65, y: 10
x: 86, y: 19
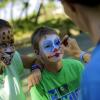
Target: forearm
x: 72, y: 48
x: 28, y: 61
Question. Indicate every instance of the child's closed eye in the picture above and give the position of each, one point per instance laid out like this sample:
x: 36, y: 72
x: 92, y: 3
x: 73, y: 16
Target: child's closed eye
x: 47, y: 46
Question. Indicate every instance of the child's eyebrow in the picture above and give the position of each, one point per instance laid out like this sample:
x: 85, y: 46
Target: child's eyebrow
x: 47, y: 42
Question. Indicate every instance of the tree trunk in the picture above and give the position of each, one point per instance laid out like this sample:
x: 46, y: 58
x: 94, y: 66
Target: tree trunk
x: 38, y: 13
x: 11, y: 11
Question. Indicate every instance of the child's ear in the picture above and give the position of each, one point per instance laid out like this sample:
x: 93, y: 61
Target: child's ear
x: 37, y: 55
x: 36, y: 52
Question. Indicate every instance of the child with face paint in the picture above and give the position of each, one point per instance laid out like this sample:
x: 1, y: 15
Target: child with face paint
x: 11, y: 65
x: 60, y: 77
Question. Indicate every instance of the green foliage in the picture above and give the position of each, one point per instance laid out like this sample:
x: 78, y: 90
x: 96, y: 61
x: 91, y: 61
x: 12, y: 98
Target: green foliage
x: 62, y: 24
x: 3, y: 3
x: 25, y: 27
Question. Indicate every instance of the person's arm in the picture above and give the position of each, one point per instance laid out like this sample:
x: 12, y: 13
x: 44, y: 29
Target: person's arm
x: 28, y: 61
x: 72, y: 48
x: 35, y: 76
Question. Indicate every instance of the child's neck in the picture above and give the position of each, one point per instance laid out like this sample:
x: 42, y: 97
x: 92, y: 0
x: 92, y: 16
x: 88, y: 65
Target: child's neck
x: 54, y: 66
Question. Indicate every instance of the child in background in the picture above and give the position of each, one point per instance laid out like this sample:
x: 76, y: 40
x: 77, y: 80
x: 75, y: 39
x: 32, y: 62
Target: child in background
x: 11, y: 65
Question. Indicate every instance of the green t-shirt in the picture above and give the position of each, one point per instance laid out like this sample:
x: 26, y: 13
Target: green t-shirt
x: 63, y: 85
x: 10, y: 88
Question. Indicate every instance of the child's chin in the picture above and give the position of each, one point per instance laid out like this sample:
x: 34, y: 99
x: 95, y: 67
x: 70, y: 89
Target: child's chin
x: 56, y: 59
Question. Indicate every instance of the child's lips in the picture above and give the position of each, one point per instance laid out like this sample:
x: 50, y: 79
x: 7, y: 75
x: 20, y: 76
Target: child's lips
x: 56, y: 54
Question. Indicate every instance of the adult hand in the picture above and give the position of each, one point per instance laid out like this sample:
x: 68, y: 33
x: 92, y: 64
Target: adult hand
x: 72, y: 48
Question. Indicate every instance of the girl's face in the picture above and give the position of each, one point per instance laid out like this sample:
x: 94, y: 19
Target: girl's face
x: 50, y: 48
x: 6, y: 46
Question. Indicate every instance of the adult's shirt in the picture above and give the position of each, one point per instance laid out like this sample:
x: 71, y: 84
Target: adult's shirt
x: 90, y: 84
x: 63, y: 85
x: 10, y: 87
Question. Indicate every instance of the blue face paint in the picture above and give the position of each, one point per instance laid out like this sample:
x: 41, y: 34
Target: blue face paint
x: 49, y: 48
x: 50, y: 45
x: 57, y: 43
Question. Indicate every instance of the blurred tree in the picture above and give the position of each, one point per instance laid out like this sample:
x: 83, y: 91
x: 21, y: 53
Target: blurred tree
x: 3, y: 3
x: 11, y: 11
x: 25, y: 9
x: 38, y: 13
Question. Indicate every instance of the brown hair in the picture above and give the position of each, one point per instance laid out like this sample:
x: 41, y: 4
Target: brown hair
x: 39, y: 34
x: 4, y: 23
x: 89, y: 3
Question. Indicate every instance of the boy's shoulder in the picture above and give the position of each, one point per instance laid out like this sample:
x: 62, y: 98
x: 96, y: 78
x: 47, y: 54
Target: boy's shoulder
x: 17, y: 62
x: 16, y: 56
x: 16, y: 53
x: 71, y: 60
x: 72, y: 63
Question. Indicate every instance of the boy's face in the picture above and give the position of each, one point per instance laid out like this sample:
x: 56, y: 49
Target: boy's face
x: 6, y: 46
x: 50, y: 48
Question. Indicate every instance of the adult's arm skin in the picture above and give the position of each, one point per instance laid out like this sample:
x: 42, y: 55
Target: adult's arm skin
x: 72, y: 48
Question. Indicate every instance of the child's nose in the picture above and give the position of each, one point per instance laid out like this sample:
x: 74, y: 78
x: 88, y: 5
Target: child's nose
x: 55, y: 49
x: 10, y: 49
